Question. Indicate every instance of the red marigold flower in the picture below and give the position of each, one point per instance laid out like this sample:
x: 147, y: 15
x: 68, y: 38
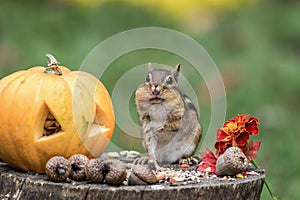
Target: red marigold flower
x: 236, y: 132
x: 209, y: 160
x: 252, y: 150
x: 251, y: 125
x: 242, y: 139
x: 223, y: 135
x: 222, y: 146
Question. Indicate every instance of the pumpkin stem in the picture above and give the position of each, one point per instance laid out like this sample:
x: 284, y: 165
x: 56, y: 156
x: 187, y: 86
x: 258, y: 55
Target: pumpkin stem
x: 53, y: 66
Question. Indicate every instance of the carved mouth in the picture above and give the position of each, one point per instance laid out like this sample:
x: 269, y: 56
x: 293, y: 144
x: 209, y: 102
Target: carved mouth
x: 156, y: 100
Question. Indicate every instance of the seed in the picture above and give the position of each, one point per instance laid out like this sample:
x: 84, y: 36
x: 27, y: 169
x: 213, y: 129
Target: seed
x: 47, y: 132
x: 161, y: 176
x: 50, y: 117
x: 50, y: 128
x: 113, y: 155
x: 57, y: 124
x: 48, y: 123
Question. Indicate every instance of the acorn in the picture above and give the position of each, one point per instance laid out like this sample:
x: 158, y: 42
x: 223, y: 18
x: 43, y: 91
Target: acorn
x: 232, y: 162
x: 141, y: 175
x: 115, y: 172
x: 78, y: 163
x: 94, y: 170
x: 58, y: 169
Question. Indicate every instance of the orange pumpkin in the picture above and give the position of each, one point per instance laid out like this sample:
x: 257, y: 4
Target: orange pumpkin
x: 46, y: 112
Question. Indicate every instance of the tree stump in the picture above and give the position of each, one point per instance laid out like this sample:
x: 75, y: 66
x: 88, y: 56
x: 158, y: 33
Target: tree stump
x: 19, y: 185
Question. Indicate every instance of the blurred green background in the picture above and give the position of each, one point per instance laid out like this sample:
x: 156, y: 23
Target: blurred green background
x: 255, y: 44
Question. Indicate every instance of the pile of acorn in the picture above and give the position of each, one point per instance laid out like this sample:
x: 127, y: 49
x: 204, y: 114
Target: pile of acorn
x: 112, y: 172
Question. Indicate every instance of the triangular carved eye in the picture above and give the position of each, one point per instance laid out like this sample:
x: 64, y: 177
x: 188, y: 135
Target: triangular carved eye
x: 51, y: 125
x: 97, y: 127
x: 95, y: 120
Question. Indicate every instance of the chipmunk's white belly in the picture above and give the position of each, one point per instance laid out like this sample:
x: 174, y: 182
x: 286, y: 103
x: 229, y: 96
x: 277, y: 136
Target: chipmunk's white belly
x: 158, y: 115
x: 170, y: 148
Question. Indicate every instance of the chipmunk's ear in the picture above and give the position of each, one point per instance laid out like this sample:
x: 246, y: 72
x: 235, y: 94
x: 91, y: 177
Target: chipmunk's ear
x: 177, y: 68
x: 150, y: 67
x: 175, y: 72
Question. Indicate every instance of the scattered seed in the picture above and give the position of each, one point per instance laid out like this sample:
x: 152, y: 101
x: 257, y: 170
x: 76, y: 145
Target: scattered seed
x: 239, y: 176
x: 133, y: 154
x: 113, y: 155
x: 224, y: 178
x: 123, y: 153
x: 184, y: 166
x: 50, y: 117
x: 161, y: 176
x: 172, y: 180
x: 48, y: 123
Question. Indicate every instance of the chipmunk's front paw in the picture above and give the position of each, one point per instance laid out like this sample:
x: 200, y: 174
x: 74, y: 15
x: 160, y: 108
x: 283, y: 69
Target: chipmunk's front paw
x: 189, y: 161
x: 154, y: 166
x: 151, y: 163
x: 141, y: 161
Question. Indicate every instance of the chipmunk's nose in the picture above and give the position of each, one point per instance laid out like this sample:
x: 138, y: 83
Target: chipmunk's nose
x: 155, y: 89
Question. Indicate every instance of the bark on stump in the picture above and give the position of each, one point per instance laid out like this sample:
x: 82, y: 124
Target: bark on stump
x: 20, y: 185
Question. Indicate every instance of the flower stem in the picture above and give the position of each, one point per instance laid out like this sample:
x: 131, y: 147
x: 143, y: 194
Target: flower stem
x: 234, y: 143
x: 253, y: 161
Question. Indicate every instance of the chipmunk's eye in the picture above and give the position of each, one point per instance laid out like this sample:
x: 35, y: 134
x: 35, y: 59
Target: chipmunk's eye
x: 148, y: 78
x: 169, y: 80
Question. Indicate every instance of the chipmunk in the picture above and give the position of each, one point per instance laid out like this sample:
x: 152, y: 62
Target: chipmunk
x: 170, y: 126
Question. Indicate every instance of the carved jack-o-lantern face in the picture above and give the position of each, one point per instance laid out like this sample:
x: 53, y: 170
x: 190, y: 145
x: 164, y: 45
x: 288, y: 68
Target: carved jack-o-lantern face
x: 44, y: 113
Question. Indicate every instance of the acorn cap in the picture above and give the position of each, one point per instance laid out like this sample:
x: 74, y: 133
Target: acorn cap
x: 143, y: 173
x: 78, y: 163
x: 94, y: 170
x: 135, y: 180
x: 58, y: 169
x: 115, y: 172
x: 232, y: 162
